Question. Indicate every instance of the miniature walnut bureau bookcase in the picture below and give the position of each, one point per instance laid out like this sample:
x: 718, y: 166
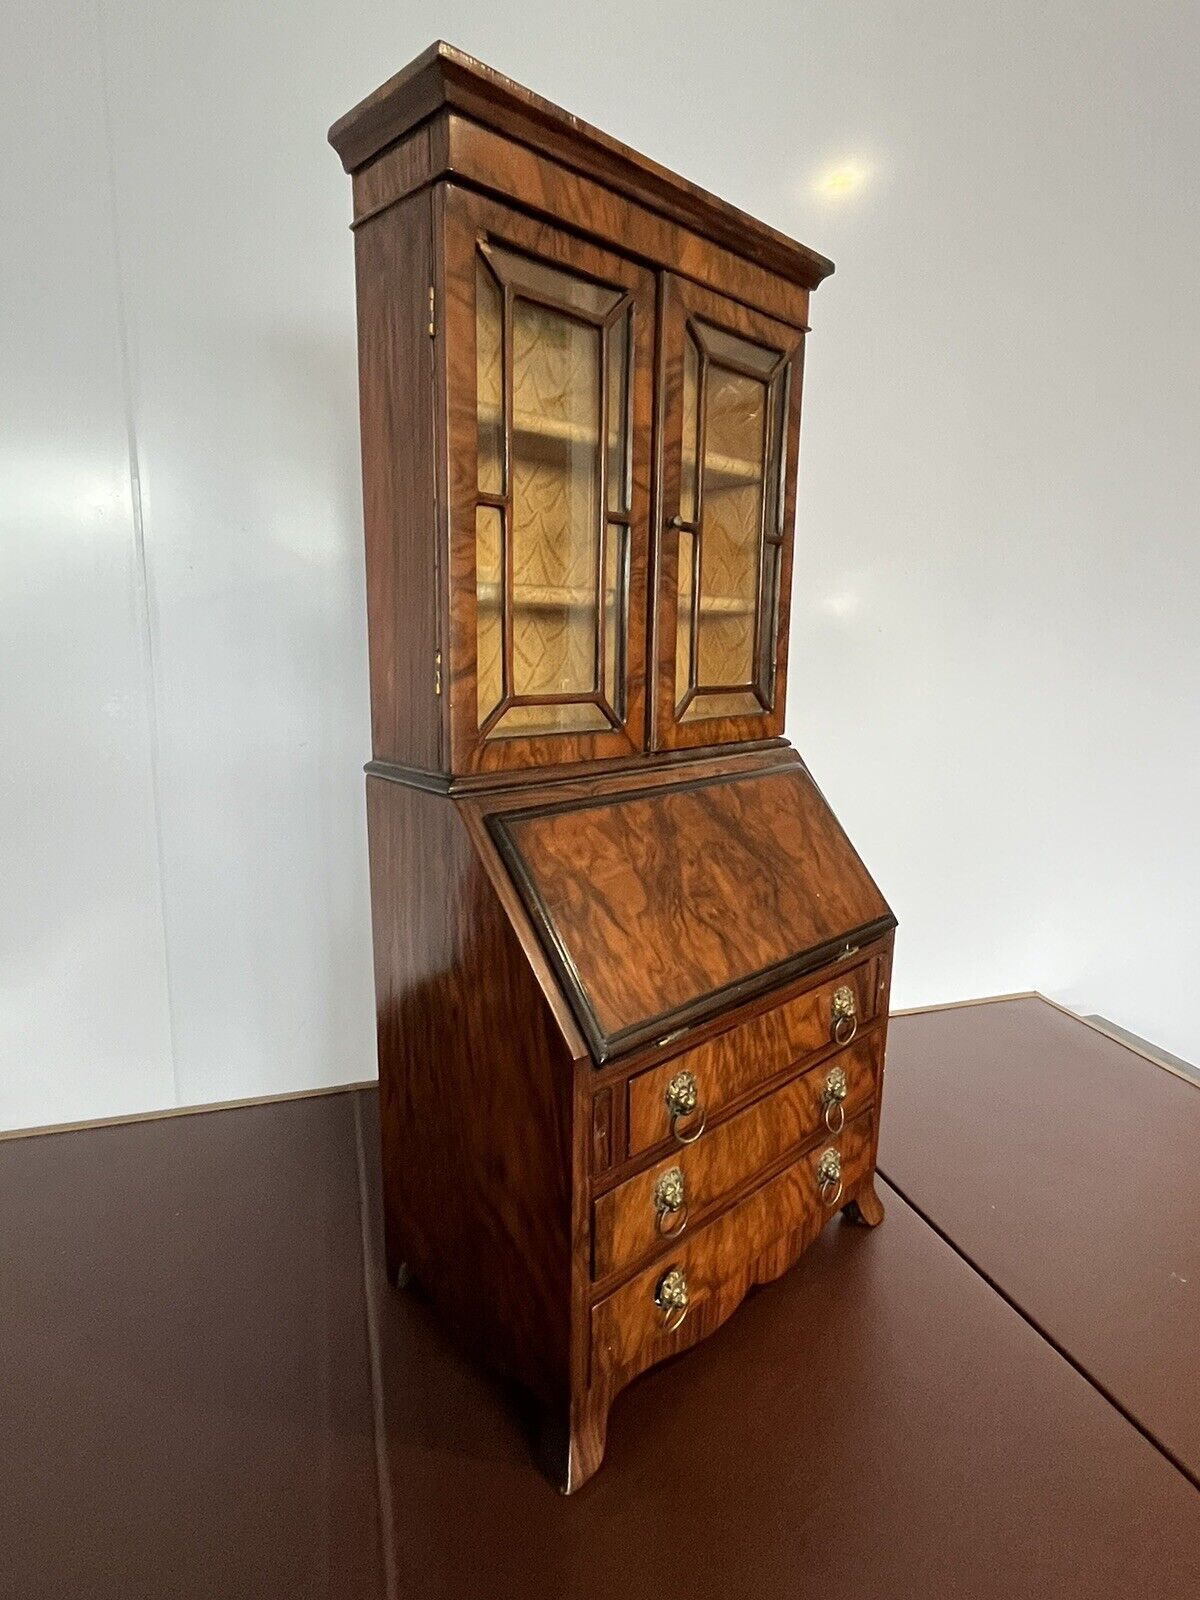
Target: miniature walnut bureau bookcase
x: 632, y: 979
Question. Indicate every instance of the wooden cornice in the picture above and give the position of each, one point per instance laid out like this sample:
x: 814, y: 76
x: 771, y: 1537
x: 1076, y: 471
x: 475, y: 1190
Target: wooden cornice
x: 445, y: 79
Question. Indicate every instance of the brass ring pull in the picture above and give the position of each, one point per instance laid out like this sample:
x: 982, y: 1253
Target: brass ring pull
x: 694, y: 1134
x: 670, y: 1201
x: 829, y: 1178
x: 671, y: 1297
x: 833, y: 1098
x: 844, y: 1021
x: 682, y: 1100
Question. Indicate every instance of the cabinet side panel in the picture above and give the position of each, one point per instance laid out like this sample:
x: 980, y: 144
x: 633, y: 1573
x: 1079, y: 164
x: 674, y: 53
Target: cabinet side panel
x: 394, y: 269
x: 475, y: 1095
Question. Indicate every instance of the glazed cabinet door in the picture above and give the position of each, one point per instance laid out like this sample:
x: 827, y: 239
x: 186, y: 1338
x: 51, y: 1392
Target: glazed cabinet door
x: 548, y: 352
x: 730, y: 432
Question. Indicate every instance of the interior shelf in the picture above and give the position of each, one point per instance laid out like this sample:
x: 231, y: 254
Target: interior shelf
x: 721, y: 472
x: 551, y: 598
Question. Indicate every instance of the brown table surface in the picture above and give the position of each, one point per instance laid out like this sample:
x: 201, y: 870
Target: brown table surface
x: 208, y: 1389
x: 1066, y: 1167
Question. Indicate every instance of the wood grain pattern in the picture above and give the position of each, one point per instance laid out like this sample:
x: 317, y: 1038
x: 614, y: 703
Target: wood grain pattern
x: 406, y: 167
x: 658, y: 908
x: 627, y: 1326
x: 626, y: 1226
x: 744, y: 1059
x: 480, y: 157
x: 394, y: 268
x: 453, y: 147
x: 475, y: 1091
x: 525, y: 789
x: 444, y: 76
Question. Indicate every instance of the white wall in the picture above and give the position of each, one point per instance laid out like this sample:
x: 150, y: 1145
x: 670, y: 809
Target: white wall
x: 994, y: 670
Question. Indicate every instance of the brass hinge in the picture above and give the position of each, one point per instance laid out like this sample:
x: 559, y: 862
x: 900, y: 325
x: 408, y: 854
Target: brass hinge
x: 432, y: 312
x: 437, y: 672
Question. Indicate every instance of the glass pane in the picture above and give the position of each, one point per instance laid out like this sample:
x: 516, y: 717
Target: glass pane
x: 574, y: 716
x: 618, y: 413
x: 683, y: 616
x: 690, y: 404
x: 732, y: 351
x: 735, y: 419
x: 593, y: 300
x: 489, y: 378
x: 615, y: 569
x: 737, y: 703
x: 555, y: 506
x: 489, y: 610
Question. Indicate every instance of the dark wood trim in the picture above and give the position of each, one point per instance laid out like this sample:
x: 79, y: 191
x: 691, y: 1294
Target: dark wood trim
x: 446, y: 77
x: 411, y: 777
x: 680, y: 1018
x: 487, y: 783
x: 657, y: 1053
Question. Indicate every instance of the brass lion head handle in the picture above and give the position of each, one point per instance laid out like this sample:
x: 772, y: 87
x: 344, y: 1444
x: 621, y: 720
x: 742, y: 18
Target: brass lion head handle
x: 833, y: 1097
x: 843, y: 1021
x: 671, y: 1297
x: 670, y: 1203
x: 681, y: 1098
x: 829, y: 1177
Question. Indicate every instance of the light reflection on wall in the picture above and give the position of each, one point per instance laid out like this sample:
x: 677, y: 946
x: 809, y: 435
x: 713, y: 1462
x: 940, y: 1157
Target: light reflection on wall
x: 842, y: 180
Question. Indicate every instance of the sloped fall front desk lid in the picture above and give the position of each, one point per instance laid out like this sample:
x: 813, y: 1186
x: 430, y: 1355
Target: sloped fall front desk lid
x: 661, y: 906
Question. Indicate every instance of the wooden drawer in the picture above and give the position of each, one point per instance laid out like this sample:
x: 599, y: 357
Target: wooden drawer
x: 626, y: 1220
x: 628, y: 1329
x: 733, y: 1063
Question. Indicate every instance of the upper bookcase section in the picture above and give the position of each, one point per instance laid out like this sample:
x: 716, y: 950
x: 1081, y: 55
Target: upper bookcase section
x: 444, y: 79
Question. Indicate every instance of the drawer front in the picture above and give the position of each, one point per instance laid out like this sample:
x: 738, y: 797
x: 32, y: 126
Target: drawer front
x: 663, y: 1203
x: 643, y: 1321
x: 731, y: 1064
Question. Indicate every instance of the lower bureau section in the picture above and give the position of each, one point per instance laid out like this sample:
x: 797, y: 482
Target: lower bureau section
x: 646, y: 1318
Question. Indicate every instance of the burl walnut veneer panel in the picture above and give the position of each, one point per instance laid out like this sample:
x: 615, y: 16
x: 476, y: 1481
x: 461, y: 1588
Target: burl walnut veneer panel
x: 660, y: 908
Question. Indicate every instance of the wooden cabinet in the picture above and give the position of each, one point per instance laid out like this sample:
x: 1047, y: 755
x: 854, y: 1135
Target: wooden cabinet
x: 631, y: 976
